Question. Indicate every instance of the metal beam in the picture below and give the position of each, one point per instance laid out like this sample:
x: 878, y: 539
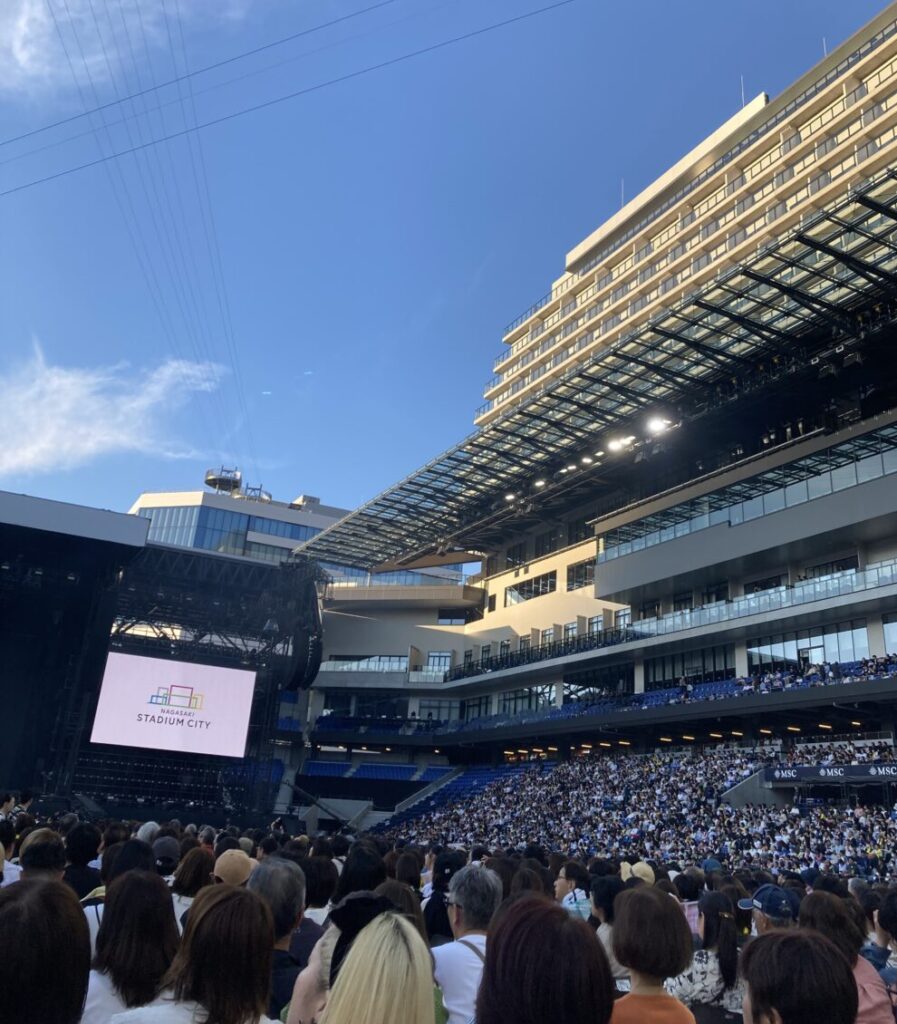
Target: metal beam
x: 868, y: 271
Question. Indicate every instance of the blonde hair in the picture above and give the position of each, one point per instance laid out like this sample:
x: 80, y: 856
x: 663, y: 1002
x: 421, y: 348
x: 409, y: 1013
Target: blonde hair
x: 387, y: 976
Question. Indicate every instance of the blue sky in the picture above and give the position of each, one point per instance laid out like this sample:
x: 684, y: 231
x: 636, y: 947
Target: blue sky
x: 317, y: 294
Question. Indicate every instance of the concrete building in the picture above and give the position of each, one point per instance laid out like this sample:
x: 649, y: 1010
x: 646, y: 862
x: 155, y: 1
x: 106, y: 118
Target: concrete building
x: 684, y: 468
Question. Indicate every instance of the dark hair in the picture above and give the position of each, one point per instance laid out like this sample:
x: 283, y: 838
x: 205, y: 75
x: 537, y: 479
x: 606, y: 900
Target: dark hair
x: 224, y: 962
x: 801, y: 975
x: 526, y: 880
x: 194, y: 872
x: 651, y: 934
x: 575, y: 872
x: 46, y: 953
x: 826, y: 913
x: 408, y: 870
x: 322, y: 848
x: 138, y: 936
x: 269, y: 845
x: 224, y: 844
x: 364, y: 870
x: 605, y: 889
x: 720, y: 933
x: 187, y: 844
x: 133, y: 855
x: 7, y: 834
x: 82, y: 844
x: 688, y: 887
x: 117, y: 832
x: 887, y: 914
x: 45, y: 854
x: 869, y: 901
x: 406, y: 901
x: 525, y: 936
x: 340, y: 846
x: 25, y: 796
x: 321, y: 877
x: 504, y: 868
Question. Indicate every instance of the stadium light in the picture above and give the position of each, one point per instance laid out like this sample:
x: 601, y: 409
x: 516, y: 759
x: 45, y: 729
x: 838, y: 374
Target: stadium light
x: 856, y: 723
x: 599, y: 453
x: 824, y: 725
x: 689, y: 738
x: 539, y: 483
x: 624, y: 743
x: 603, y: 744
x: 586, y: 460
x: 793, y: 728
x: 619, y: 443
x: 657, y: 425
x: 736, y: 733
x: 510, y: 496
x: 571, y: 467
x: 666, y: 739
x: 766, y: 732
x: 717, y: 735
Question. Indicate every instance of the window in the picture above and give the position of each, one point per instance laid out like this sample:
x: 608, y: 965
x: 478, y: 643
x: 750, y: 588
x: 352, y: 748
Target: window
x: 439, y: 660
x: 683, y: 602
x: 796, y: 651
x: 485, y: 653
x: 836, y: 565
x: 649, y: 610
x: 570, y: 631
x: 526, y: 590
x: 450, y: 617
x: 547, y: 542
x: 504, y: 648
x: 889, y: 622
x: 524, y: 643
x: 579, y: 530
x: 622, y: 618
x: 767, y: 583
x: 715, y: 592
x: 491, y: 603
x: 595, y: 625
x: 582, y: 574
x: 703, y: 665
x: 548, y: 636
x: 783, y: 176
x: 468, y: 658
x: 515, y: 555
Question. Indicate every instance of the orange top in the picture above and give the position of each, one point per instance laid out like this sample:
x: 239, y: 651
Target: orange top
x: 632, y: 1009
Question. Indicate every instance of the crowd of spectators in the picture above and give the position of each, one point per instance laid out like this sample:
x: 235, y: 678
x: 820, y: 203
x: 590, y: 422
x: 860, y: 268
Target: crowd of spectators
x: 189, y: 925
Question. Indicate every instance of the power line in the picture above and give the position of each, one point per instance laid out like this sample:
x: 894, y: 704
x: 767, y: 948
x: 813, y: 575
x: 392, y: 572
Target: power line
x: 199, y: 71
x: 289, y: 96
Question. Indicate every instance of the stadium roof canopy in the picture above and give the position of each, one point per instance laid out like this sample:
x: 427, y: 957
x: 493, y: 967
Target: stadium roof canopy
x: 804, y: 292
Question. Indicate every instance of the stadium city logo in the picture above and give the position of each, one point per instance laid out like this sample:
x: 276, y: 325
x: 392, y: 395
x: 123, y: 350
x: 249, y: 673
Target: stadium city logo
x: 888, y: 770
x: 178, y: 706
x: 785, y: 773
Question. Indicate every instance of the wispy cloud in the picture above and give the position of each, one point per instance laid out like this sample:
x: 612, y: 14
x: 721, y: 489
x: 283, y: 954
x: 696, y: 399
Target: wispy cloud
x: 34, y: 35
x: 56, y: 417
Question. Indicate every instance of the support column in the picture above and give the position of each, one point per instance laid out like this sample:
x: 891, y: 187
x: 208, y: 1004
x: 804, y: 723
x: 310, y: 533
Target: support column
x: 876, y: 633
x: 558, y: 700
x: 493, y: 704
x: 638, y: 674
x: 314, y: 705
x: 741, y: 659
x: 414, y: 706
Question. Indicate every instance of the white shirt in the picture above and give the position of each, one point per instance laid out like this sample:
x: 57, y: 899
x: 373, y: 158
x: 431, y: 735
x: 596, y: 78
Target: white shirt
x: 102, y: 1000
x: 167, y: 1011
x: 317, y: 914
x: 181, y: 904
x: 11, y: 873
x: 458, y: 973
x: 94, y: 917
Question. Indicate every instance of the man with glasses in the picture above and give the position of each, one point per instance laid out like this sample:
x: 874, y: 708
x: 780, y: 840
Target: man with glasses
x: 473, y: 897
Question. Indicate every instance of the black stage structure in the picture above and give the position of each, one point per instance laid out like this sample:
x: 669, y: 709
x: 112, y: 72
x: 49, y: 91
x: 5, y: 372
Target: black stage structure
x: 67, y: 598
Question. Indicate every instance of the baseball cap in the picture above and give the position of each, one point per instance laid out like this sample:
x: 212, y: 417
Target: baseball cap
x: 711, y: 864
x: 166, y: 849
x: 772, y: 901
x: 643, y: 871
x: 233, y: 867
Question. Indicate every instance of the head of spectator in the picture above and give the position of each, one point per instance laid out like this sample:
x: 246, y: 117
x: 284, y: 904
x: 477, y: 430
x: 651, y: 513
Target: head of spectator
x: 651, y: 936
x: 827, y: 882
x: 206, y: 836
x: 7, y: 802
x: 718, y: 932
x: 313, y: 982
x: 571, y: 877
x: 194, y: 872
x: 147, y: 832
x: 224, y: 843
x: 46, y: 953
x: 796, y: 976
x: 116, y: 832
x: 473, y: 897
x: 233, y: 867
x: 266, y: 847
x: 408, y: 870
x: 828, y: 915
x: 167, y: 851
x: 604, y: 891
x: 688, y: 887
x: 224, y: 961
x: 322, y: 847
x: 505, y: 869
x: 387, y: 975
x: 138, y: 936
x: 43, y: 856
x: 527, y: 881
x: 640, y: 870
x: 406, y: 901
x: 26, y: 798
x: 339, y: 847
x: 773, y: 907
x: 320, y: 881
x: 363, y: 871
x: 856, y: 886
x: 281, y: 884
x: 525, y: 936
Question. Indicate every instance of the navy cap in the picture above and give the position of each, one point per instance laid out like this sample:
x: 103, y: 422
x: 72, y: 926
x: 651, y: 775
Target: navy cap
x: 772, y: 901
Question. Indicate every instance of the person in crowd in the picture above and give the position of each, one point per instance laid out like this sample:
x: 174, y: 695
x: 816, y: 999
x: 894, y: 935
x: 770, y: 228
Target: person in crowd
x: 571, y: 888
x: 11, y: 872
x: 773, y: 907
x: 81, y: 847
x: 42, y: 855
x: 233, y: 867
x: 435, y: 906
x: 883, y: 941
x: 474, y: 894
x: 222, y: 971
x: 604, y: 891
x: 147, y: 832
x: 828, y: 915
x: 386, y: 976
x: 135, y: 946
x: 281, y: 884
x: 133, y: 855
x: 712, y: 978
x: 313, y: 982
x: 7, y: 802
x: 23, y: 806
x: 689, y: 890
x: 653, y: 941
x: 362, y: 871
x: 167, y: 851
x: 320, y: 881
x: 193, y: 873
x: 406, y: 901
x: 797, y: 976
x: 44, y: 954
x: 543, y: 964
x: 408, y: 871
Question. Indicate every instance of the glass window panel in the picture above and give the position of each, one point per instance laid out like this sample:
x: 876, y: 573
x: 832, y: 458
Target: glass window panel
x: 869, y: 468
x: 844, y: 476
x: 774, y: 501
x: 818, y: 486
x: 753, y: 508
x: 796, y: 494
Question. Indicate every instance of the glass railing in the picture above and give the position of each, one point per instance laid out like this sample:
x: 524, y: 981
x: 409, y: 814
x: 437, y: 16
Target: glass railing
x: 842, y: 475
x: 400, y: 579
x: 399, y: 664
